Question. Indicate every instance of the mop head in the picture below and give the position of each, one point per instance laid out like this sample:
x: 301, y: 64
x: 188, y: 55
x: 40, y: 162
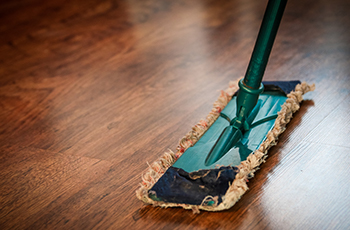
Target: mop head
x: 227, y: 188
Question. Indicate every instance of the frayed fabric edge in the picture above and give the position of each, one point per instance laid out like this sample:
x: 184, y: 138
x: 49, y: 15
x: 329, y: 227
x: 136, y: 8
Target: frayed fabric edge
x: 247, y: 168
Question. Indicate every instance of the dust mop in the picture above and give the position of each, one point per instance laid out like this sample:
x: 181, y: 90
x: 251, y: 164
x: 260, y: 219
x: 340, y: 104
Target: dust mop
x: 214, y: 161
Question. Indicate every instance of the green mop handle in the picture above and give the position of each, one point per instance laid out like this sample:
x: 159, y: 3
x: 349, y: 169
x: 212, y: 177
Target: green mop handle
x: 264, y: 42
x: 250, y: 87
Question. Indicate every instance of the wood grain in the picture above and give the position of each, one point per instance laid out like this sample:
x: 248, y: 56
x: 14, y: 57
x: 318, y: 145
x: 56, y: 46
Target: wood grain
x: 90, y: 91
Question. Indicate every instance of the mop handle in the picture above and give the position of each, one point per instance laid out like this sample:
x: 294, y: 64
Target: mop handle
x: 264, y: 42
x: 250, y: 87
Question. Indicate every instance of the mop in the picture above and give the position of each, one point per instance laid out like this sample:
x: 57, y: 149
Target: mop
x: 214, y: 161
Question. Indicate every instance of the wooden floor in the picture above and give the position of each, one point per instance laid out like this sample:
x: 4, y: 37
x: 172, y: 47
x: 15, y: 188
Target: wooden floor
x: 92, y: 90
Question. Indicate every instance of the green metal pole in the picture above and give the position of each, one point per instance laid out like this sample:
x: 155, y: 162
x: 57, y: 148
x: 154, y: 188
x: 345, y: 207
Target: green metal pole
x: 264, y: 42
x: 250, y: 87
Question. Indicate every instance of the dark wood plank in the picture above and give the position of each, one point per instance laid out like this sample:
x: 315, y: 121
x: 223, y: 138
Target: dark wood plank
x: 310, y: 174
x: 335, y: 128
x: 35, y: 181
x: 90, y: 91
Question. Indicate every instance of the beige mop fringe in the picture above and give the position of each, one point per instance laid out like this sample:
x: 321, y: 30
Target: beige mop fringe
x: 247, y: 168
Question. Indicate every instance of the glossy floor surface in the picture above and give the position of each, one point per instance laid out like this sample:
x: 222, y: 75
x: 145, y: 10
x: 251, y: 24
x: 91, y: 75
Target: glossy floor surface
x: 92, y: 90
